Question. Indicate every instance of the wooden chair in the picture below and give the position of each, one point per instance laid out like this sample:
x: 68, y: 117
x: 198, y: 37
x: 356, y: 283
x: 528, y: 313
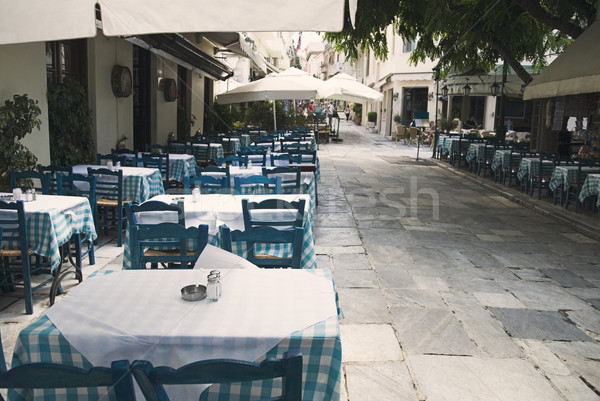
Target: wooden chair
x: 161, y: 162
x: 109, y: 201
x: 152, y: 380
x: 266, y: 142
x: 400, y: 133
x: 54, y: 170
x: 572, y: 193
x: 79, y: 185
x: 201, y: 153
x: 206, y: 184
x: 180, y: 147
x: 290, y: 177
x: 170, y: 244
x: 257, y: 184
x: 303, y: 156
x: 233, y: 160
x: 130, y: 155
x: 214, y: 171
x: 286, y: 214
x: 16, y: 253
x: 268, y: 236
x: 102, y: 159
x: 257, y: 155
x: 30, y: 179
x: 58, y: 376
x: 280, y: 159
x: 540, y: 179
x: 294, y: 147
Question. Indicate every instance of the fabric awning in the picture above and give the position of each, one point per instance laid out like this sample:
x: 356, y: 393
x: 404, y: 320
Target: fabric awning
x: 42, y: 20
x: 185, y: 53
x: 574, y: 72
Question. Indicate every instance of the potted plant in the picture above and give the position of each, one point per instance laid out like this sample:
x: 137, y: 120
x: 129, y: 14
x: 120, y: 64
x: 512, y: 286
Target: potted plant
x: 357, y: 109
x: 18, y: 117
x: 372, y: 118
x: 398, y: 119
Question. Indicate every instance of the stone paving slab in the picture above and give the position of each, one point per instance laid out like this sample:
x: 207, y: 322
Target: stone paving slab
x: 369, y: 343
x: 541, y: 325
x: 444, y: 378
x: 386, y: 381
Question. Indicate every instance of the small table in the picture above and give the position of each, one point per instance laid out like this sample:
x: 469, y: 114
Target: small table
x: 216, y: 210
x: 140, y: 315
x: 139, y: 183
x: 53, y: 219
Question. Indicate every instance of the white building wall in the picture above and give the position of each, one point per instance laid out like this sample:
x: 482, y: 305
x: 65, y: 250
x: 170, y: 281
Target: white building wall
x: 166, y: 112
x: 23, y: 68
x: 112, y: 116
x: 197, y: 101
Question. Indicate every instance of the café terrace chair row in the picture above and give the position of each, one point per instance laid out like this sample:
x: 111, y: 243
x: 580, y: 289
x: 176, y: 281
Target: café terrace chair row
x: 154, y: 381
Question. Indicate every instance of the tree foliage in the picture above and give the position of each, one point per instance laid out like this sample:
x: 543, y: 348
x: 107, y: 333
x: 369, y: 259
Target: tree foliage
x: 18, y: 117
x: 467, y: 34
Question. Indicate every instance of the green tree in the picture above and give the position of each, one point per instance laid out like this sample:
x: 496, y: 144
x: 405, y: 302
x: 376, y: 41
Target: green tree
x: 468, y: 34
x: 18, y: 117
x: 70, y: 124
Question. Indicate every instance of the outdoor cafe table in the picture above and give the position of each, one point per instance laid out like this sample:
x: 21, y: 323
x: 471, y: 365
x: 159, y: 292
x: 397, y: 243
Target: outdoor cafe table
x: 139, y: 183
x: 53, y: 219
x: 563, y: 176
x: 180, y: 165
x: 216, y: 210
x: 215, y: 150
x: 501, y: 158
x: 591, y: 187
x: 528, y: 166
x: 139, y: 314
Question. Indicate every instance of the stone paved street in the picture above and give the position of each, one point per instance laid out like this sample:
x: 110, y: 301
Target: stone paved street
x: 452, y: 289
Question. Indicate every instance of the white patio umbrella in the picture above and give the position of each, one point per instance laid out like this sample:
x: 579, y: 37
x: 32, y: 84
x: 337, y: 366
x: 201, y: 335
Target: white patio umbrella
x: 282, y: 86
x: 345, y: 87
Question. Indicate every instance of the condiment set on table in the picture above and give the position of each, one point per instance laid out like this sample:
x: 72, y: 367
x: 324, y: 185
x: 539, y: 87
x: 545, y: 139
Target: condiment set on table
x: 211, y: 291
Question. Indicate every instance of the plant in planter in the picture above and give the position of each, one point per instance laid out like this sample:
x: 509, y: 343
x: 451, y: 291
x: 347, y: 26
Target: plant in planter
x: 357, y: 109
x: 70, y: 124
x: 398, y: 119
x: 445, y: 124
x: 18, y: 117
x: 372, y: 118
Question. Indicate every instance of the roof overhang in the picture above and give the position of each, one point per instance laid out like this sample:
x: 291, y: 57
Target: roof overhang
x: 180, y: 50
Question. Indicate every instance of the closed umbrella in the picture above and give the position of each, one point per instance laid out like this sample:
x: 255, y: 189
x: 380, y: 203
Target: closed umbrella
x: 345, y: 87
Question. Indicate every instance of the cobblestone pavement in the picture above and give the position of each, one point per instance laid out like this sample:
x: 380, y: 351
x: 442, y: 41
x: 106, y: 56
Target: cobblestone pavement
x: 453, y: 288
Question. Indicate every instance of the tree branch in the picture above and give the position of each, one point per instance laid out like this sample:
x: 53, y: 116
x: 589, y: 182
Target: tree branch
x: 535, y: 9
x: 512, y: 61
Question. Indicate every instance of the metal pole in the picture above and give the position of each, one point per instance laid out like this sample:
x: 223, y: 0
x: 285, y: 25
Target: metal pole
x: 274, y: 117
x: 501, y: 131
x: 418, y: 144
x: 436, y: 135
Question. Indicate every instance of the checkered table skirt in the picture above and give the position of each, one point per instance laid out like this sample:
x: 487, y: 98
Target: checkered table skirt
x: 591, y: 187
x: 50, y: 228
x: 320, y: 345
x: 182, y: 167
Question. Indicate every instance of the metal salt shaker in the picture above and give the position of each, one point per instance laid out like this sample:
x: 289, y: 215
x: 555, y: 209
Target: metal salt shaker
x: 212, y: 288
x: 218, y: 274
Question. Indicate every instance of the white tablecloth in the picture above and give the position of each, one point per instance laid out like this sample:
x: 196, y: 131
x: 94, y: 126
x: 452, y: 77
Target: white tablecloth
x: 140, y: 314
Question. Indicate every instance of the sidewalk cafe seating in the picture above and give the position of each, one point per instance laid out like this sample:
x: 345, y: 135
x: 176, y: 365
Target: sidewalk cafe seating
x: 152, y: 380
x: 102, y: 159
x: 109, y: 201
x: 257, y: 184
x: 66, y: 185
x: 58, y: 376
x: 572, y: 193
x: 233, y: 160
x: 170, y: 244
x: 30, y: 179
x: 286, y: 214
x: 540, y: 179
x: 290, y: 177
x: 266, y: 235
x: 54, y: 170
x: 206, y: 184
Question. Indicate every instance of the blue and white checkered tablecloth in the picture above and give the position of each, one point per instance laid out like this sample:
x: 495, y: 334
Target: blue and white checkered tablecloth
x: 52, y: 220
x: 139, y: 184
x: 501, y: 157
x: 182, y: 165
x: 564, y: 176
x: 319, y: 344
x: 234, y: 220
x: 591, y: 187
x: 215, y: 151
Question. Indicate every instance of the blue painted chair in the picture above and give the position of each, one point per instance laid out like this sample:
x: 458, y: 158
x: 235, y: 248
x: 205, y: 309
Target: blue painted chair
x: 256, y: 154
x: 161, y: 162
x: 54, y: 170
x: 214, y: 171
x: 131, y: 211
x: 109, y: 201
x: 271, y: 237
x: 266, y: 142
x: 101, y: 159
x: 233, y: 160
x: 290, y: 177
x: 170, y: 244
x: 130, y: 155
x: 30, y: 179
x: 16, y: 253
x: 152, y: 380
x: 206, y: 184
x: 57, y: 376
x: 180, y: 147
x: 79, y: 185
x: 303, y: 156
x: 283, y: 214
x: 257, y: 184
x: 280, y: 159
